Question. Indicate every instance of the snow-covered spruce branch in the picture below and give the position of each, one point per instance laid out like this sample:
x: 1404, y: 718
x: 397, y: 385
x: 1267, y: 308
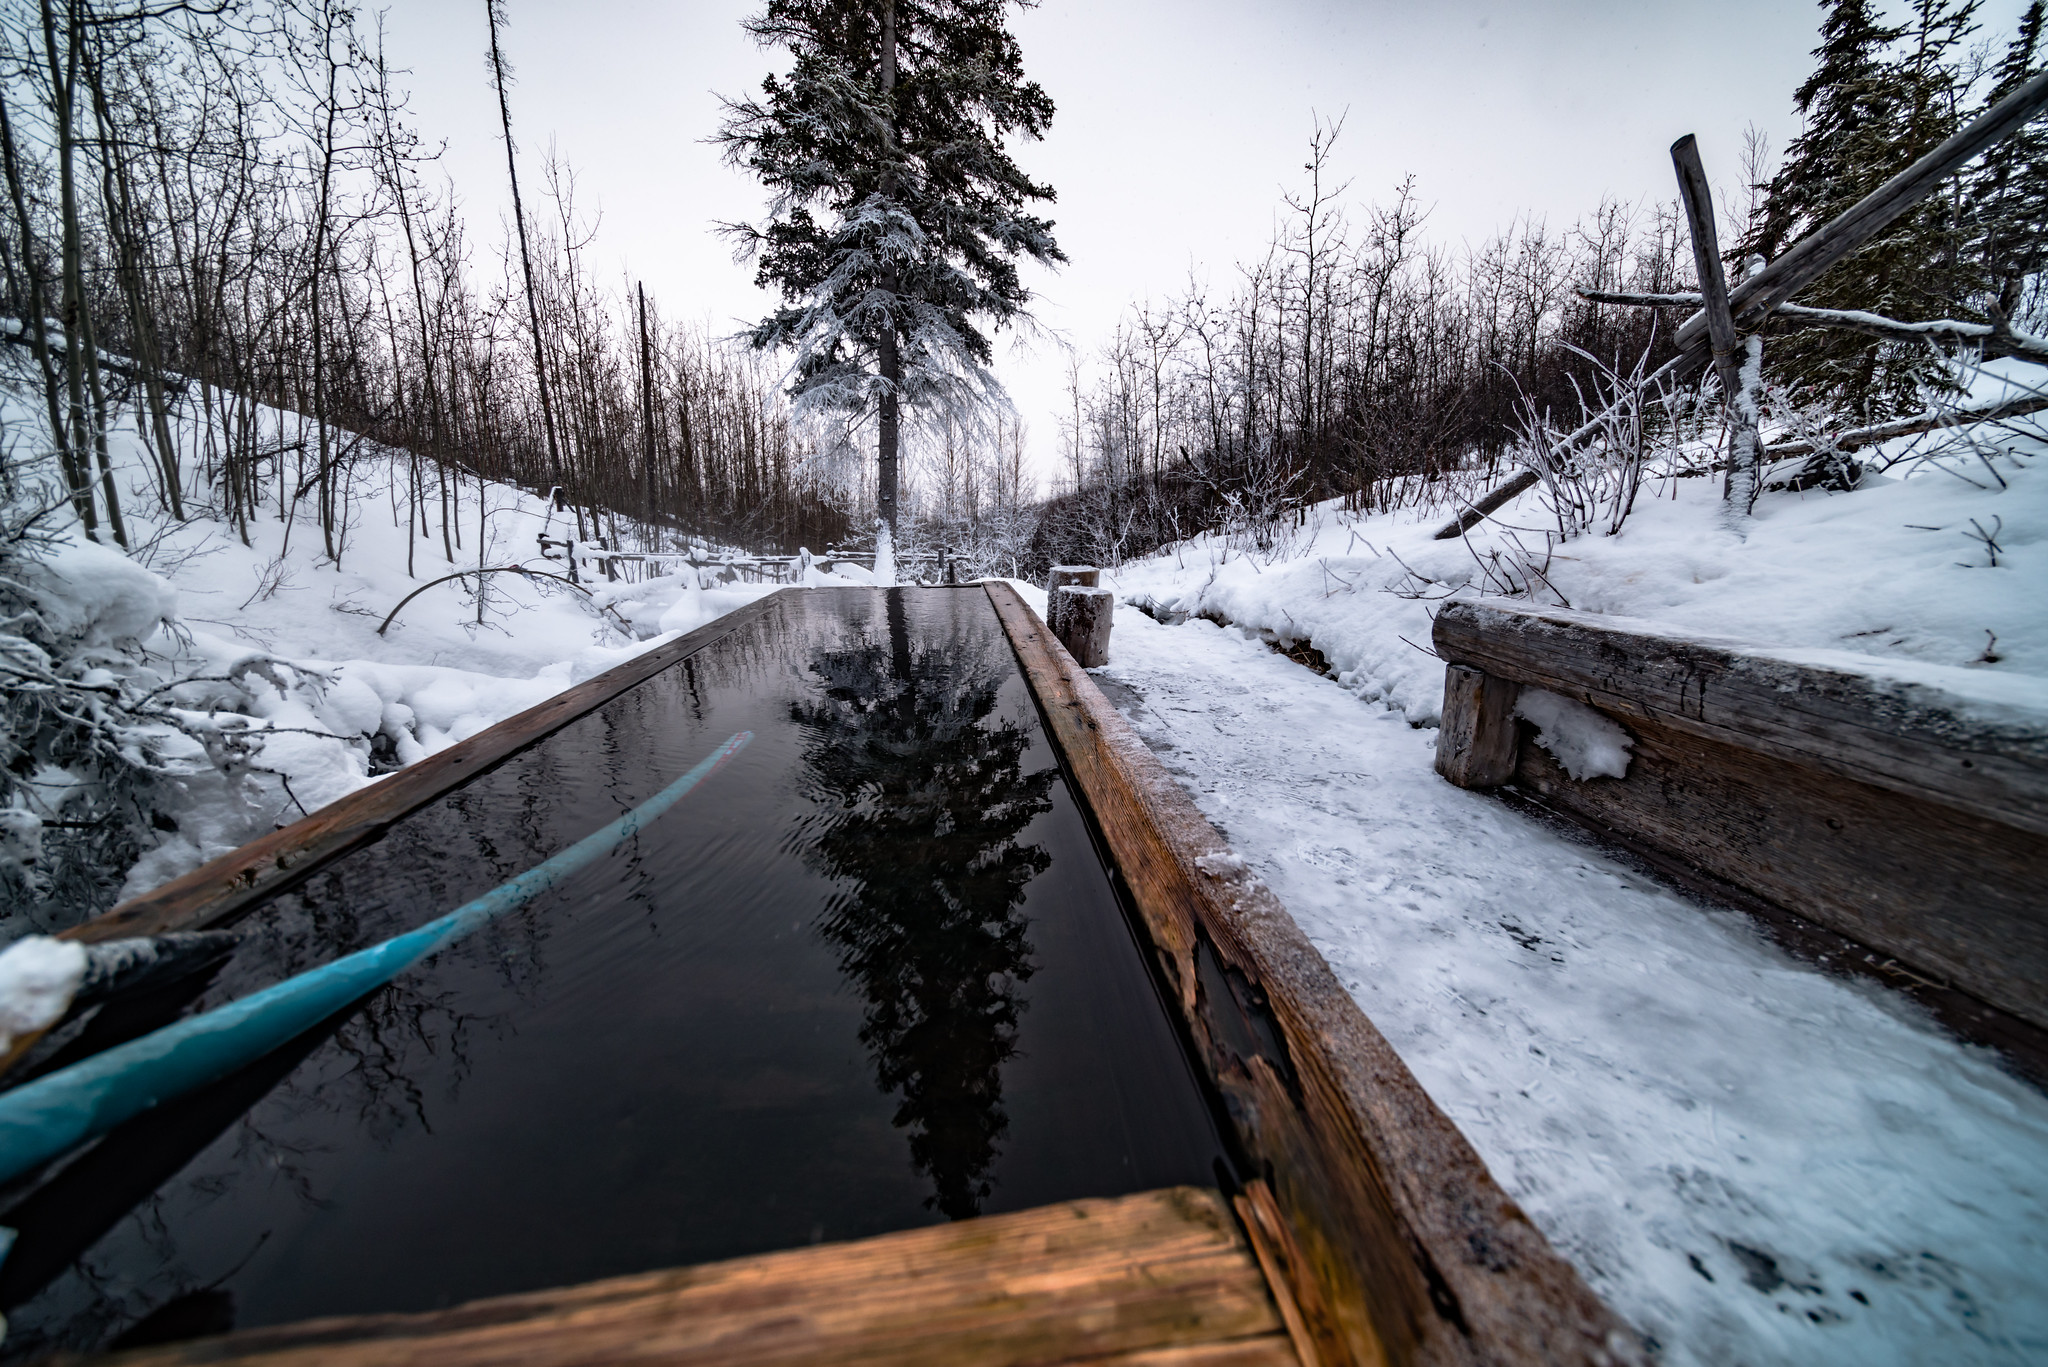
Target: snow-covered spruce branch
x: 1918, y: 423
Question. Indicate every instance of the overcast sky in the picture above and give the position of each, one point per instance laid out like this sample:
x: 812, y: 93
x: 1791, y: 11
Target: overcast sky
x: 1180, y: 123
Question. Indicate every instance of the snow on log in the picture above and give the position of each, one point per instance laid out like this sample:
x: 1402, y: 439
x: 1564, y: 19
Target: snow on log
x: 1087, y: 576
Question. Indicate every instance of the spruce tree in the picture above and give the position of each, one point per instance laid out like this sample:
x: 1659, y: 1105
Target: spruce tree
x: 898, y: 214
x: 1880, y: 97
x: 2009, y: 200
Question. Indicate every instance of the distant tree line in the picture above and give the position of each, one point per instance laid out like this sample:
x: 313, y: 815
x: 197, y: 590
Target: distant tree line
x: 1356, y: 358
x: 213, y: 207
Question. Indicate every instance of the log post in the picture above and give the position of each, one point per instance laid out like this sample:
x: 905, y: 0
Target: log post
x: 1475, y: 747
x: 1086, y: 576
x: 1081, y: 622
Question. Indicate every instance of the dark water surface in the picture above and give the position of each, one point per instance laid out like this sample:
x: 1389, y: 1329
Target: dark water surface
x: 872, y: 974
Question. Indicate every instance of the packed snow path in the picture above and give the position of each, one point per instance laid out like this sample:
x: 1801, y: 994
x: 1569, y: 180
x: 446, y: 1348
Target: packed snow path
x: 1753, y: 1161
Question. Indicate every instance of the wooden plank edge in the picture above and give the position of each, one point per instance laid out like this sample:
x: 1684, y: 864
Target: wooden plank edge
x: 221, y: 889
x: 1495, y: 1290
x: 1146, y: 1236
x: 1905, y: 736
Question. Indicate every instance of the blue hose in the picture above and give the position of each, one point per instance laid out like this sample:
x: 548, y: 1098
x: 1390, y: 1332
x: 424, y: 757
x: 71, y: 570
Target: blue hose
x: 41, y: 1119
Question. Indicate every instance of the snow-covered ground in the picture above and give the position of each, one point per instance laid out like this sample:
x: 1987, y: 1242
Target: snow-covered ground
x: 1753, y: 1161
x: 1756, y: 1163
x: 298, y: 637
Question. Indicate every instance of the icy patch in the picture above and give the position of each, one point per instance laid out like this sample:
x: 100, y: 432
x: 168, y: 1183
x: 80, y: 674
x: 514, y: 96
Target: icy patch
x: 1587, y: 744
x: 38, y: 976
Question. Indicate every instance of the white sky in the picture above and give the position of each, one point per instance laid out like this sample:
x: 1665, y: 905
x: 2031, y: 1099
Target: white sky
x: 1180, y: 122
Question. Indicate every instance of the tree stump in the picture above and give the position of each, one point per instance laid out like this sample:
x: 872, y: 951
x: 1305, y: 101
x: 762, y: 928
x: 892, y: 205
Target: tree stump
x: 1061, y: 576
x: 1081, y: 617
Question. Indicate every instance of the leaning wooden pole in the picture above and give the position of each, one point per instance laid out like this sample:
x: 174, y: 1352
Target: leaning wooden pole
x: 1755, y: 297
x: 1736, y: 400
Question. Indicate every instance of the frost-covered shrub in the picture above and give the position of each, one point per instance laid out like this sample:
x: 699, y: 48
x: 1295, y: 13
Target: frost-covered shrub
x: 81, y: 757
x: 100, y: 738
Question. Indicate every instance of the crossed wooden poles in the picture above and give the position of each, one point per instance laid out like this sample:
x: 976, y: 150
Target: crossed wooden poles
x: 1715, y: 335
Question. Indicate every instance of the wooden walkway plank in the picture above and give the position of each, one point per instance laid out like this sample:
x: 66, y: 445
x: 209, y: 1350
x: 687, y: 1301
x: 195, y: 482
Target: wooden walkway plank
x: 1161, y: 1277
x: 1396, y: 1244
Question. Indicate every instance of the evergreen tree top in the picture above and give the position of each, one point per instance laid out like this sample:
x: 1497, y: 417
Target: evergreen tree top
x: 898, y: 215
x: 927, y: 157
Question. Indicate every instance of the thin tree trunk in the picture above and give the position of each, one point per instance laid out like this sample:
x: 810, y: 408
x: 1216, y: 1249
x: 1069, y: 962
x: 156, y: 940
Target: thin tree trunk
x: 646, y: 403
x: 76, y: 483
x: 890, y: 361
x: 119, y: 201
x: 540, y: 368
x: 79, y: 357
x: 323, y: 471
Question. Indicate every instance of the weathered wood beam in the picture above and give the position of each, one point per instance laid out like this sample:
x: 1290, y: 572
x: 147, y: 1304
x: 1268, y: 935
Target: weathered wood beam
x: 1706, y: 260
x: 1159, y: 1276
x: 1403, y: 1248
x: 1486, y: 507
x: 1745, y: 455
x: 1890, y: 810
x: 1640, y: 299
x: 1475, y: 745
x: 1911, y: 737
x: 1992, y: 341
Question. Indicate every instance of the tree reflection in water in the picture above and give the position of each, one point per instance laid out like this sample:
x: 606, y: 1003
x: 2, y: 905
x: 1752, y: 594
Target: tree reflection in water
x: 925, y: 794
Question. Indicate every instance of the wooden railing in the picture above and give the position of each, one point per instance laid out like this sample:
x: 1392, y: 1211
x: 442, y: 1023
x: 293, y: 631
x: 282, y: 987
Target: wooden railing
x: 1904, y: 807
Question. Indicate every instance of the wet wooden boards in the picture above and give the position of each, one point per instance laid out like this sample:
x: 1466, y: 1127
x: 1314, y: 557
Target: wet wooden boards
x: 1160, y: 1277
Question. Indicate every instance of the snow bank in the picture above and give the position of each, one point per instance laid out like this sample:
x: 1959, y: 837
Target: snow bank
x: 287, y: 645
x: 1896, y: 571
x: 38, y: 978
